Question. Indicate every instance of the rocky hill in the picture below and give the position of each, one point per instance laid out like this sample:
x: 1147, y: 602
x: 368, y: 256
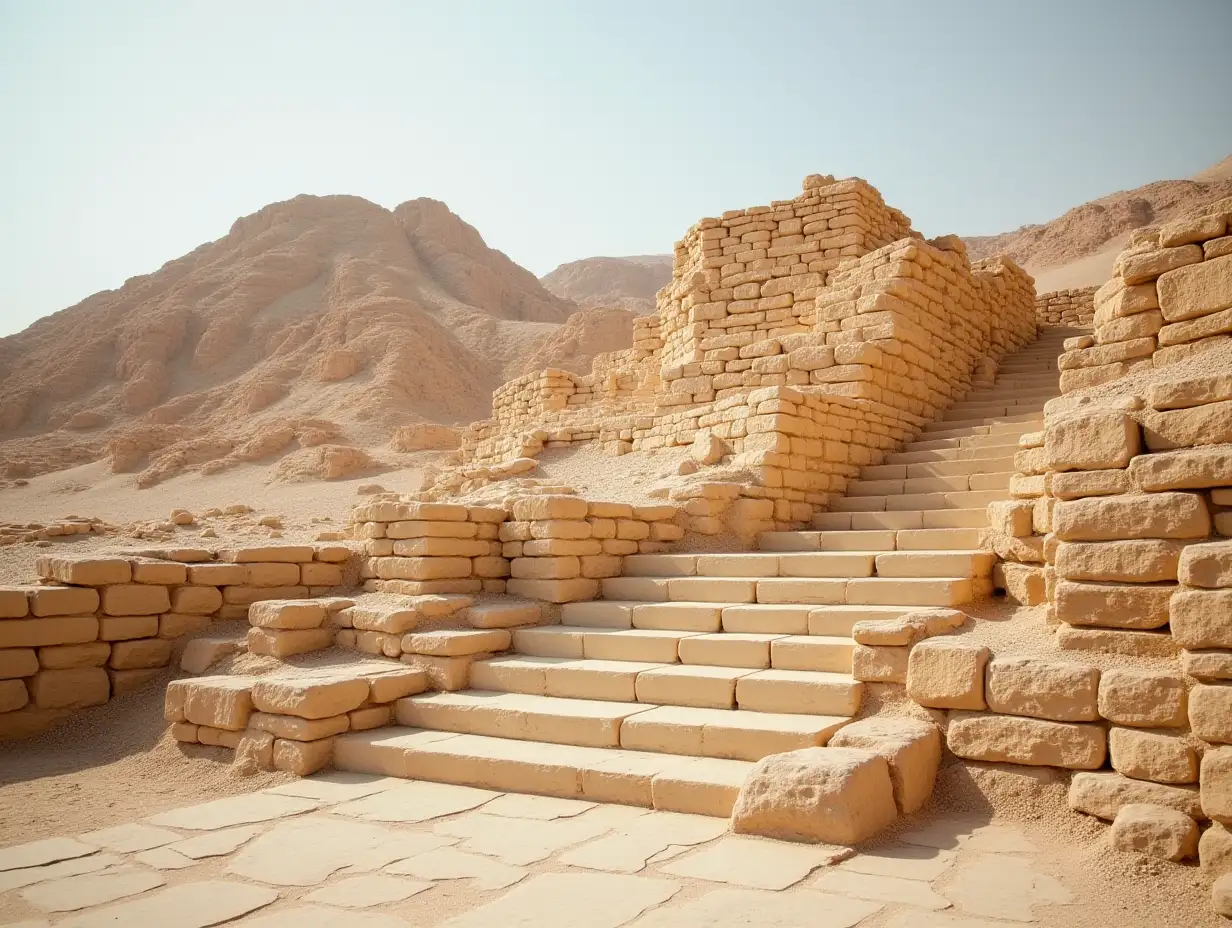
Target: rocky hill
x: 313, y: 322
x: 626, y: 283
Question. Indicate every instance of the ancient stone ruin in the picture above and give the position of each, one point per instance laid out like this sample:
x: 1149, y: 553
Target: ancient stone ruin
x: 882, y: 436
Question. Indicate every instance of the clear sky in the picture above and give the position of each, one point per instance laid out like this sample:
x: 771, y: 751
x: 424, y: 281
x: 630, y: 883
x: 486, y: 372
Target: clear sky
x: 131, y: 132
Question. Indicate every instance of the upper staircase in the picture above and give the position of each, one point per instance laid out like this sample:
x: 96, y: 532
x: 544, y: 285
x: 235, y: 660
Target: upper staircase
x: 693, y: 666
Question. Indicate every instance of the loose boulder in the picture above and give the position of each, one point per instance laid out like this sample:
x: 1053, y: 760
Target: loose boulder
x: 912, y: 748
x: 1156, y: 831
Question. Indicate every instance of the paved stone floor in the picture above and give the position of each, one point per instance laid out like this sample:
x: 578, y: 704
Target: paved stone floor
x: 349, y: 851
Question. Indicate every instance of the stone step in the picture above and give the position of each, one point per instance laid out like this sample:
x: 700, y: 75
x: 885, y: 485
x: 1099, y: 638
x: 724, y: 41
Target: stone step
x: 949, y: 455
x: 970, y: 441
x: 909, y: 564
x: 757, y: 650
x: 652, y: 780
x: 503, y: 613
x: 1014, y: 429
x: 697, y: 606
x: 1001, y: 465
x: 940, y: 539
x: 795, y: 692
x: 950, y: 484
x: 998, y: 408
x: 902, y: 519
x: 961, y: 499
x: 753, y: 565
x: 697, y: 732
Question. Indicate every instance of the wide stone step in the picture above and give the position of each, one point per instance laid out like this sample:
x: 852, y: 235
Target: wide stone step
x: 756, y: 650
x: 668, y: 602
x: 755, y: 618
x: 983, y: 442
x: 904, y: 519
x: 939, y: 539
x: 909, y: 564
x: 998, y: 465
x: 668, y: 782
x: 726, y: 733
x: 950, y: 454
x: 959, y: 499
x: 955, y: 483
x: 702, y: 686
x: 753, y: 565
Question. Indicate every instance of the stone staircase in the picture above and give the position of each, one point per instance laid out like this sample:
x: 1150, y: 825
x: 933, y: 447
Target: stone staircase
x: 693, y: 666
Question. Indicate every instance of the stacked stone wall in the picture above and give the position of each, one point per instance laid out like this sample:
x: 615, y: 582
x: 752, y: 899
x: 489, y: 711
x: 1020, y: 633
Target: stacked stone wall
x: 99, y: 627
x: 1169, y: 299
x: 1074, y: 308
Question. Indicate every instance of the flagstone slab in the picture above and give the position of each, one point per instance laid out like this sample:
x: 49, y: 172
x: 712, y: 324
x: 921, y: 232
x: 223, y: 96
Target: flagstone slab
x: 879, y: 888
x: 999, y: 839
x: 946, y: 834
x: 416, y: 802
x: 336, y: 786
x: 38, y: 853
x: 163, y: 858
x: 306, y: 851
x: 1005, y: 887
x: 90, y: 889
x: 756, y: 863
x: 449, y: 863
x: 361, y: 892
x: 520, y: 841
x: 570, y: 900
x: 128, y: 839
x: 632, y: 847
x: 234, y: 810
x: 15, y: 879
x: 544, y: 808
x: 321, y: 916
x: 922, y: 918
x: 907, y: 862
x: 188, y: 905
x: 216, y: 843
x: 756, y: 908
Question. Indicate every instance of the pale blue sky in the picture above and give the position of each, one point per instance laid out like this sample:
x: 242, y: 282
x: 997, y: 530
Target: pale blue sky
x: 131, y: 132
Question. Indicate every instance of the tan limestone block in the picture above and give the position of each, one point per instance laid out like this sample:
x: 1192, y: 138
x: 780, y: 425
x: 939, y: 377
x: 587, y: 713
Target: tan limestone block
x: 370, y: 718
x: 175, y: 625
x: 879, y: 664
x: 1186, y: 469
x: 828, y: 795
x: 542, y: 508
x: 85, y: 571
x: 1102, y: 794
x: 1202, y: 618
x: 69, y: 656
x: 428, y: 547
x: 1011, y: 517
x: 558, y: 547
x: 286, y: 614
x: 1059, y: 691
x: 69, y: 689
x: 134, y: 678
x: 166, y: 573
x: 1112, y: 605
x: 14, y: 602
x: 555, y: 591
x: 316, y: 574
x: 944, y: 673
x: 560, y: 528
x: 217, y: 702
x: 62, y: 600
x: 55, y: 630
x: 545, y: 568
x: 139, y: 654
x: 272, y: 554
x: 133, y: 599
x: 442, y: 673
x: 456, y: 642
x: 272, y: 575
x: 1210, y: 712
x: 279, y: 643
x: 123, y: 627
x: 1159, y: 756
x: 1080, y: 483
x: 1143, y: 698
x: 217, y: 574
x: 308, y: 697
x: 698, y: 686
x: 196, y: 600
x: 297, y: 729
x: 219, y: 737
x: 1155, y: 831
x: 1094, y: 440
x: 1150, y: 515
x: 1009, y: 739
x: 1143, y: 560
x: 185, y: 732
x: 1198, y: 290
x: 1216, y: 790
x: 1140, y: 268
x: 1188, y: 428
x: 1192, y: 229
x: 13, y: 695
x: 727, y: 650
x: 1215, y: 850
x: 21, y: 662
x: 912, y: 748
x: 1207, y: 565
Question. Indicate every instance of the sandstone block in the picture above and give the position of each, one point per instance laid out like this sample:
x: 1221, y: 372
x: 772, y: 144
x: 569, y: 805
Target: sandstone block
x: 1008, y: 739
x: 1207, y: 665
x: 126, y: 680
x: 541, y: 508
x: 1011, y: 517
x: 1221, y: 896
x: 1187, y: 469
x: 1112, y: 605
x: 303, y: 758
x: 34, y: 633
x: 1144, y: 560
x: 167, y: 573
x: 1191, y: 230
x: 286, y: 614
x: 255, y: 751
x: 140, y: 654
x: 274, y: 574
x: 1022, y: 583
x: 442, y: 673
x: 1159, y: 756
x: 1056, y: 690
x: 185, y: 732
x: 945, y: 673
x: 175, y: 625
x: 62, y: 600
x: 316, y: 574
x: 196, y: 600
x: 545, y: 568
x: 85, y: 571
x: 1188, y: 428
x: 1116, y: 641
x: 1114, y: 518
x: 202, y: 653
x: 219, y: 737
x: 68, y: 656
x: 1103, y: 794
x: 1156, y: 831
x: 555, y: 591
x: 1198, y: 290
x: 308, y: 698
x: 1194, y: 391
x: 911, y: 747
x: 830, y: 795
x: 222, y: 702
x: 456, y: 642
x: 297, y: 729
x: 878, y: 664
x: 13, y: 695
x: 1215, y: 850
x: 69, y: 689
x: 1143, y: 698
x: 1216, y: 791
x: 287, y: 554
x: 1208, y: 566
x: 123, y: 627
x: 217, y: 574
x: 279, y: 643
x: 1091, y: 441
x: 1140, y: 268
x: 14, y: 602
x: 1210, y: 712
x: 1202, y: 618
x: 135, y: 599
x: 20, y: 662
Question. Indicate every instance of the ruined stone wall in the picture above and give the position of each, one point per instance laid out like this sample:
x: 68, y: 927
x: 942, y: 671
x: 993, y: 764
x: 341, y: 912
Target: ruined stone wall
x: 1168, y: 300
x: 1074, y: 308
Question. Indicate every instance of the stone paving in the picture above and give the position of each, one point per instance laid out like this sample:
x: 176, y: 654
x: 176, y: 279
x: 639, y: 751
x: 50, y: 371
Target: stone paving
x: 352, y: 851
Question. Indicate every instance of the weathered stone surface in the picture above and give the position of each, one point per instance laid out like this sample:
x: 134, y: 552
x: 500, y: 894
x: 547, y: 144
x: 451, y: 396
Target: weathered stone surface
x: 832, y: 795
x: 1221, y: 896
x: 876, y: 664
x: 1203, y: 288
x: 1095, y: 440
x: 1009, y: 739
x: 1161, y: 756
x: 1208, y: 566
x: 592, y: 899
x: 69, y: 689
x: 912, y: 747
x: 218, y: 702
x: 135, y: 599
x: 308, y: 697
x: 1116, y: 641
x: 1187, y: 469
x: 754, y: 907
x: 1208, y: 666
x: 1102, y: 794
x: 361, y: 892
x: 448, y: 863
x: 202, y: 653
x: 90, y: 889
x: 286, y: 614
x: 1188, y: 428
x: 1156, y: 831
x: 1115, y: 518
x: 1139, y: 268
x: 1217, y: 784
x: 1143, y: 698
x: 1137, y: 561
x: 1058, y: 690
x: 188, y: 905
x: 40, y: 853
x: 631, y: 848
x: 751, y: 862
x: 1000, y: 886
x: 946, y: 673
x: 1215, y: 849
x: 1202, y: 618
x: 1210, y: 712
